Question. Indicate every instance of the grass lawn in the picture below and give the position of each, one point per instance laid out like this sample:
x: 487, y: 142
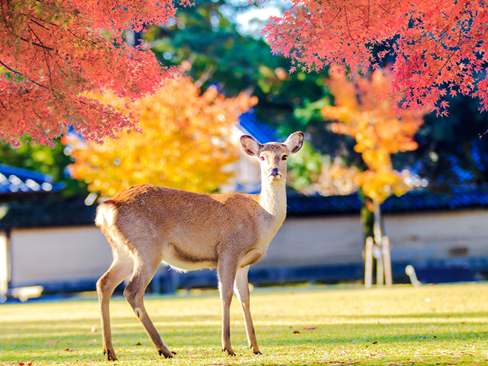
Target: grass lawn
x: 430, y: 325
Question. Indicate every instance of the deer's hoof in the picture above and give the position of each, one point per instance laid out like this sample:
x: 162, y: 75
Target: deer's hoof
x: 110, y: 355
x: 258, y: 353
x: 167, y: 354
x: 228, y: 352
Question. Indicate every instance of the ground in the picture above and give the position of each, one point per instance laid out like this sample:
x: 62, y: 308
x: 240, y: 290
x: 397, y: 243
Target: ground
x: 430, y: 325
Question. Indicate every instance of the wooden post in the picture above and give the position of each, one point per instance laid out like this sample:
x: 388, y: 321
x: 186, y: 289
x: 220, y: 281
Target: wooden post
x: 379, y: 265
x: 368, y: 262
x: 387, y: 261
x: 377, y: 250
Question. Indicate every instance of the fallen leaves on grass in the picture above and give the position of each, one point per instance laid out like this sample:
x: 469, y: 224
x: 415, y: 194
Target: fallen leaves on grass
x: 26, y: 363
x: 138, y: 344
x: 53, y: 341
x: 296, y: 332
x: 310, y: 328
x: 69, y: 350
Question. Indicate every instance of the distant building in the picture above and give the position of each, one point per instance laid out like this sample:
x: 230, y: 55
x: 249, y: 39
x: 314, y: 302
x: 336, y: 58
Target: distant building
x: 444, y: 237
x: 53, y: 241
x: 247, y: 176
x: 17, y: 184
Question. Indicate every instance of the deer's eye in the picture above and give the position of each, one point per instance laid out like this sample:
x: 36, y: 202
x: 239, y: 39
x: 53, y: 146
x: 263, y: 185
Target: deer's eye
x: 262, y: 158
x: 284, y: 157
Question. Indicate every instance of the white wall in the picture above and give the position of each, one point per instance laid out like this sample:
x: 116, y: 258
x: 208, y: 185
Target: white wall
x: 315, y: 241
x: 413, y: 236
x: 432, y: 235
x: 58, y: 254
x: 64, y: 254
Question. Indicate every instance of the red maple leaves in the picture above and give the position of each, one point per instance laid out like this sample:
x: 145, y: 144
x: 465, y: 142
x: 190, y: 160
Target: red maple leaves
x: 55, y: 51
x: 438, y: 45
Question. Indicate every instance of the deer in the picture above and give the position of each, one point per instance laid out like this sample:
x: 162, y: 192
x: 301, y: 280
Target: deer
x: 147, y: 224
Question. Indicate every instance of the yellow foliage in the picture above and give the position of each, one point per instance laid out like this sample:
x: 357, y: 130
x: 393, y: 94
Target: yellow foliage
x: 379, y: 185
x: 184, y: 144
x: 363, y: 111
x: 335, y: 179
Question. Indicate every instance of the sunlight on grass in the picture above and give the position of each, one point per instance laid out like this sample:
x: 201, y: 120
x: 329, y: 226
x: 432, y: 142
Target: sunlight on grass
x: 400, y: 326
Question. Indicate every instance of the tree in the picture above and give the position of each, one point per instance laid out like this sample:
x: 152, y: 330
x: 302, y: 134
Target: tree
x: 378, y: 132
x: 437, y: 46
x: 185, y: 142
x: 207, y: 37
x: 53, y: 52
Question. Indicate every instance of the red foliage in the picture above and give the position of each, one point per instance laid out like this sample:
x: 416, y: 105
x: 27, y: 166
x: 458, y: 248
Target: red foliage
x: 53, y: 52
x: 439, y: 45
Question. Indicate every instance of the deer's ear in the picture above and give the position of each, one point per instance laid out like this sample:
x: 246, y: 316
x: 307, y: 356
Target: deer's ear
x: 250, y: 145
x: 294, y: 142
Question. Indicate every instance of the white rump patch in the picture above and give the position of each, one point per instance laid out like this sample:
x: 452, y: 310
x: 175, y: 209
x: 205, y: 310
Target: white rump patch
x: 105, y: 215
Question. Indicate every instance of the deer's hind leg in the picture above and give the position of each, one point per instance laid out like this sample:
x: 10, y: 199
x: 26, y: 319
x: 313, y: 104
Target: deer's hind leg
x: 145, y: 267
x: 121, y: 267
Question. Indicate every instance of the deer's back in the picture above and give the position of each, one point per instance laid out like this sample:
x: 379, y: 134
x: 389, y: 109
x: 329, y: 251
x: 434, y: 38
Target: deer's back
x: 192, y: 224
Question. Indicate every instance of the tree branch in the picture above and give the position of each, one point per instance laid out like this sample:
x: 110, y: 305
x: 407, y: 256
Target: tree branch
x: 349, y: 31
x: 340, y: 10
x: 36, y: 44
x: 38, y: 116
x: 40, y: 25
x: 45, y: 58
x: 453, y: 52
x: 18, y: 73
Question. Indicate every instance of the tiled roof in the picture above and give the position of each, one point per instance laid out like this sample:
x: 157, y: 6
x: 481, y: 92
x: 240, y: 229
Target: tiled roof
x: 48, y: 211
x: 51, y: 212
x: 421, y: 200
x: 260, y: 131
x: 16, y: 181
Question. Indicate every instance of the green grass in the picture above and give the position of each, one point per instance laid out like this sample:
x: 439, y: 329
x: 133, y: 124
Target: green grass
x: 397, y: 326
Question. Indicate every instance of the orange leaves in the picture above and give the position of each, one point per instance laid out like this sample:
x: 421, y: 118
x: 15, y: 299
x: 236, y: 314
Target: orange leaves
x: 54, y: 51
x: 184, y: 144
x: 364, y: 112
x: 435, y: 46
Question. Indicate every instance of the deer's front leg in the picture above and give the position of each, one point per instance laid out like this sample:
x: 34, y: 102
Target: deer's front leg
x: 227, y: 271
x: 242, y: 290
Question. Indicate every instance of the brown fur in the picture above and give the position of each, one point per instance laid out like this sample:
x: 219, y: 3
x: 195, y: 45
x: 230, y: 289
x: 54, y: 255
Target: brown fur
x: 146, y: 224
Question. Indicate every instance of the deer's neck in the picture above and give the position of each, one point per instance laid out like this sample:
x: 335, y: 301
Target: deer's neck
x: 273, y: 200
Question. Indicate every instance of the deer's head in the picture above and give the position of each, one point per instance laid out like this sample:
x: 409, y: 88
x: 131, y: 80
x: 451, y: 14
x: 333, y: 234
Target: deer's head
x: 273, y: 156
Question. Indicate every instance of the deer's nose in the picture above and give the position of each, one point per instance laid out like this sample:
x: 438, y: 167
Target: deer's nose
x: 275, y: 172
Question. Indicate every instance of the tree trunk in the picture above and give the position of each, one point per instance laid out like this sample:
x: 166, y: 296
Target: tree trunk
x: 367, y: 216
